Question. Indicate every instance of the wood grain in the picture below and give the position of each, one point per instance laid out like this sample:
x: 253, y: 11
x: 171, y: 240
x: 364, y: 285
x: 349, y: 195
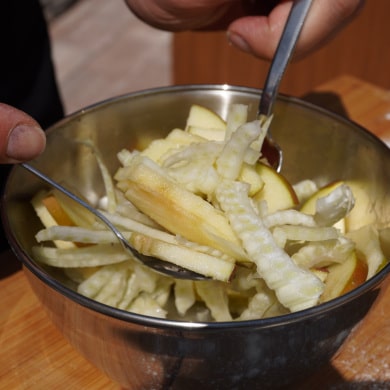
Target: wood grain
x: 34, y: 356
x: 360, y: 50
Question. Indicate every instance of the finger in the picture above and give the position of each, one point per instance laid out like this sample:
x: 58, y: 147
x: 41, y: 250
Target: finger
x: 183, y: 15
x: 21, y: 138
x: 259, y: 35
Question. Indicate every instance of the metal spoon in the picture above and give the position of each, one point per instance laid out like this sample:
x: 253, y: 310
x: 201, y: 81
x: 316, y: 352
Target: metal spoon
x: 161, y: 266
x: 283, y: 54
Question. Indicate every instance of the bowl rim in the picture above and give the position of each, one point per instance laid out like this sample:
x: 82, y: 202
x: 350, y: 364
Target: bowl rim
x: 126, y: 316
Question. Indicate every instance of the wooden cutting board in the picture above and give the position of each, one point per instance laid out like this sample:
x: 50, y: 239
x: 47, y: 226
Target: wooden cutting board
x: 34, y: 355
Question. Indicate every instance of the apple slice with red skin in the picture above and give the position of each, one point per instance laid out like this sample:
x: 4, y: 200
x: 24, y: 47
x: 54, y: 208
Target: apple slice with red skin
x: 344, y: 277
x: 202, y: 117
x: 57, y: 212
x: 277, y: 191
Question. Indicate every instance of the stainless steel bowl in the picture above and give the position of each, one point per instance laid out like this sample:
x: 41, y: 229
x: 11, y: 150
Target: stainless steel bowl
x: 141, y: 352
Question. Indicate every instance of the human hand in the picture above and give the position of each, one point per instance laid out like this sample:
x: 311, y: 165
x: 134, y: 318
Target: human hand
x: 21, y: 137
x: 255, y: 34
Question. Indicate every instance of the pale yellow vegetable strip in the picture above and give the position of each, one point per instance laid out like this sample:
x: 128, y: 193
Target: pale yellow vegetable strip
x: 283, y: 234
x: 275, y: 310
x: 180, y: 211
x: 214, y: 295
x: 163, y: 291
x: 114, y: 288
x: 261, y: 207
x: 91, y: 236
x: 249, y: 174
x: 321, y: 254
x: 47, y: 219
x: 307, y: 233
x: 146, y: 278
x: 230, y: 160
x: 131, y: 291
x: 305, y: 189
x: 246, y: 279
x: 193, y: 167
x: 265, y: 123
x: 334, y: 206
x: 197, y: 178
x: 142, y: 279
x: 136, y: 227
x: 288, y: 217
x: 207, y: 133
x: 203, y: 249
x: 78, y: 234
x: 107, y: 178
x: 184, y: 294
x: 280, y: 237
x: 204, y: 151
x: 124, y: 156
x: 257, y: 306
x: 367, y: 242
x: 145, y: 304
x: 93, y: 285
x: 81, y: 257
x: 202, y: 263
x: 237, y: 116
x: 79, y: 215
x: 295, y: 288
x: 206, y: 262
x: 160, y: 149
x: 127, y: 210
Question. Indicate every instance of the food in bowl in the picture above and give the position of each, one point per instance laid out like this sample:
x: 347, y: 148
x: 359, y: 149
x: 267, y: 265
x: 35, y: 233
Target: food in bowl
x: 147, y: 352
x: 204, y: 198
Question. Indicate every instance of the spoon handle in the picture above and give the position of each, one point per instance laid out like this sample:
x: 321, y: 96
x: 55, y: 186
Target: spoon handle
x: 74, y: 197
x: 288, y: 40
x: 161, y: 266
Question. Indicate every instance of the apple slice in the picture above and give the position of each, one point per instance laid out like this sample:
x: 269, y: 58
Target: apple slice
x: 309, y: 207
x: 277, y: 191
x: 174, y: 140
x: 177, y: 209
x: 249, y: 175
x: 344, y: 277
x: 200, y: 116
x: 51, y: 213
x: 57, y: 212
x: 358, y: 277
x: 363, y: 213
x: 202, y: 263
x: 210, y: 134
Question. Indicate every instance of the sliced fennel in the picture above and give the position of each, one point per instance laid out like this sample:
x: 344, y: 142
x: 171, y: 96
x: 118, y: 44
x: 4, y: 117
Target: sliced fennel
x: 199, y: 198
x: 295, y: 287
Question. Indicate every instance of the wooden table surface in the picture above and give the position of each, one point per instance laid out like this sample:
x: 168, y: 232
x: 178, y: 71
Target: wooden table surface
x: 34, y: 355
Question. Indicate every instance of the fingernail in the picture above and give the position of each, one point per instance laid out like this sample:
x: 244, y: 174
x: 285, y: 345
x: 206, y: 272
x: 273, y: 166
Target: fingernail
x: 239, y: 42
x: 25, y: 142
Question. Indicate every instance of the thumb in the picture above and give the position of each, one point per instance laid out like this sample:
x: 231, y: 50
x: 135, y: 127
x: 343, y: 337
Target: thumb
x: 259, y: 35
x: 21, y: 137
